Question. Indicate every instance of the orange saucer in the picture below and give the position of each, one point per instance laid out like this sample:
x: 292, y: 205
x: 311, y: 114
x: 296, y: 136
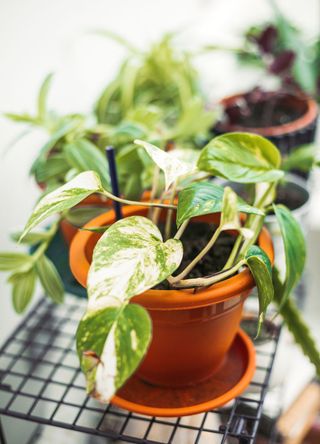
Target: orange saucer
x: 229, y: 381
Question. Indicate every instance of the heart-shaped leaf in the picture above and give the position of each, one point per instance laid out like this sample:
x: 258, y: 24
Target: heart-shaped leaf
x: 171, y: 166
x: 128, y: 259
x: 241, y: 157
x: 111, y: 343
x: 260, y: 267
x: 64, y: 198
x: 113, y: 336
x: 294, y: 248
x: 202, y: 198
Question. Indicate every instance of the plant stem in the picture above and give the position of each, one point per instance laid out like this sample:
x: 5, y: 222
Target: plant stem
x: 186, y: 271
x: 255, y: 223
x: 234, y: 252
x: 44, y: 245
x: 204, y: 282
x: 138, y: 203
x: 167, y: 231
x: 181, y: 230
x: 154, y: 188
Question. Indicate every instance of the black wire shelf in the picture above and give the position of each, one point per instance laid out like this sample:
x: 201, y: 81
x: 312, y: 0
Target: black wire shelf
x: 40, y: 381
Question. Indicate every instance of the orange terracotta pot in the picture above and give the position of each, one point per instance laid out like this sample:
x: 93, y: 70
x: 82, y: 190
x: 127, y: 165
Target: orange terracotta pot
x: 191, y: 332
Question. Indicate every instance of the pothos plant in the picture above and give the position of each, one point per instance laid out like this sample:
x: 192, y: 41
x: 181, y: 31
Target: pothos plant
x: 133, y: 255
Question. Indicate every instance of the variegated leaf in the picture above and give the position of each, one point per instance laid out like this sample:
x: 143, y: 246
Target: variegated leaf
x: 172, y: 167
x: 113, y: 336
x: 111, y: 343
x: 128, y: 259
x: 230, y: 219
x: 64, y: 198
x: 200, y: 198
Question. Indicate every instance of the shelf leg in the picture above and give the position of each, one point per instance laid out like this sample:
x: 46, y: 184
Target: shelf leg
x: 2, y: 436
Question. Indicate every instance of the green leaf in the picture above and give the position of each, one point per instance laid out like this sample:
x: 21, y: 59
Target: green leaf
x: 101, y: 229
x: 202, y: 198
x: 294, y: 248
x: 302, y: 158
x: 241, y: 157
x: 84, y: 155
x: 172, y: 167
x: 14, y: 261
x: 64, y: 198
x: 22, y: 118
x: 62, y: 131
x: 55, y: 167
x: 296, y: 324
x: 23, y: 288
x: 260, y: 267
x: 50, y: 279
x: 42, y: 98
x: 111, y: 343
x: 32, y: 238
x: 118, y: 39
x: 128, y: 259
x: 79, y: 216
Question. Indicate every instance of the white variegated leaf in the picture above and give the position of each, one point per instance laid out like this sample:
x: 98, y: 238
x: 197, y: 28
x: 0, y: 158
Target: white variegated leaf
x: 111, y: 344
x: 172, y: 167
x: 113, y: 336
x: 128, y: 259
x: 230, y: 216
x: 63, y: 198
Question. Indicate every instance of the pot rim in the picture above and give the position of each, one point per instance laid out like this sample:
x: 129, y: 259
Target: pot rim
x: 306, y: 119
x: 165, y: 299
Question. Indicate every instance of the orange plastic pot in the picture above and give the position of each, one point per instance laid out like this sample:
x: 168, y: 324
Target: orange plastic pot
x: 192, y: 332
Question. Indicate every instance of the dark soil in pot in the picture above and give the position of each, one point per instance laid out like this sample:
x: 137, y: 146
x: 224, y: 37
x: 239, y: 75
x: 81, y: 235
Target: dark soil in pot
x: 194, y: 239
x: 260, y: 109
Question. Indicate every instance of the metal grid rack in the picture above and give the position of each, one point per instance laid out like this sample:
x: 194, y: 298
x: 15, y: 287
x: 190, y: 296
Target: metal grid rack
x: 40, y: 381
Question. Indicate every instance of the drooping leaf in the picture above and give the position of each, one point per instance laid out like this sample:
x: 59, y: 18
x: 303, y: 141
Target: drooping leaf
x: 14, y: 261
x: 241, y: 157
x: 64, y: 198
x: 229, y: 214
x: 296, y: 324
x: 294, y: 248
x: 31, y: 238
x: 128, y: 259
x: 23, y: 285
x: 111, y: 343
x: 50, y: 279
x: 172, y: 167
x: 83, y: 155
x: 42, y: 98
x: 260, y: 267
x: 202, y: 198
x: 22, y: 118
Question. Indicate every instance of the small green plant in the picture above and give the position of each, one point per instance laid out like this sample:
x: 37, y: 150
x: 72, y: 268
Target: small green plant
x: 133, y: 255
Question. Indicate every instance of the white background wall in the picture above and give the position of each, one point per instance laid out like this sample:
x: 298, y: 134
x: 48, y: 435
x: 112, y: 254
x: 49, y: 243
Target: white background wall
x: 39, y: 36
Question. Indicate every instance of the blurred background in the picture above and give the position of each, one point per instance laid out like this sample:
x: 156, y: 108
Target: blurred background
x: 41, y: 36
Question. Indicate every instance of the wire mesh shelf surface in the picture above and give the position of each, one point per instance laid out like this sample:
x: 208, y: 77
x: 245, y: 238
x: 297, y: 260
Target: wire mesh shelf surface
x: 40, y: 381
